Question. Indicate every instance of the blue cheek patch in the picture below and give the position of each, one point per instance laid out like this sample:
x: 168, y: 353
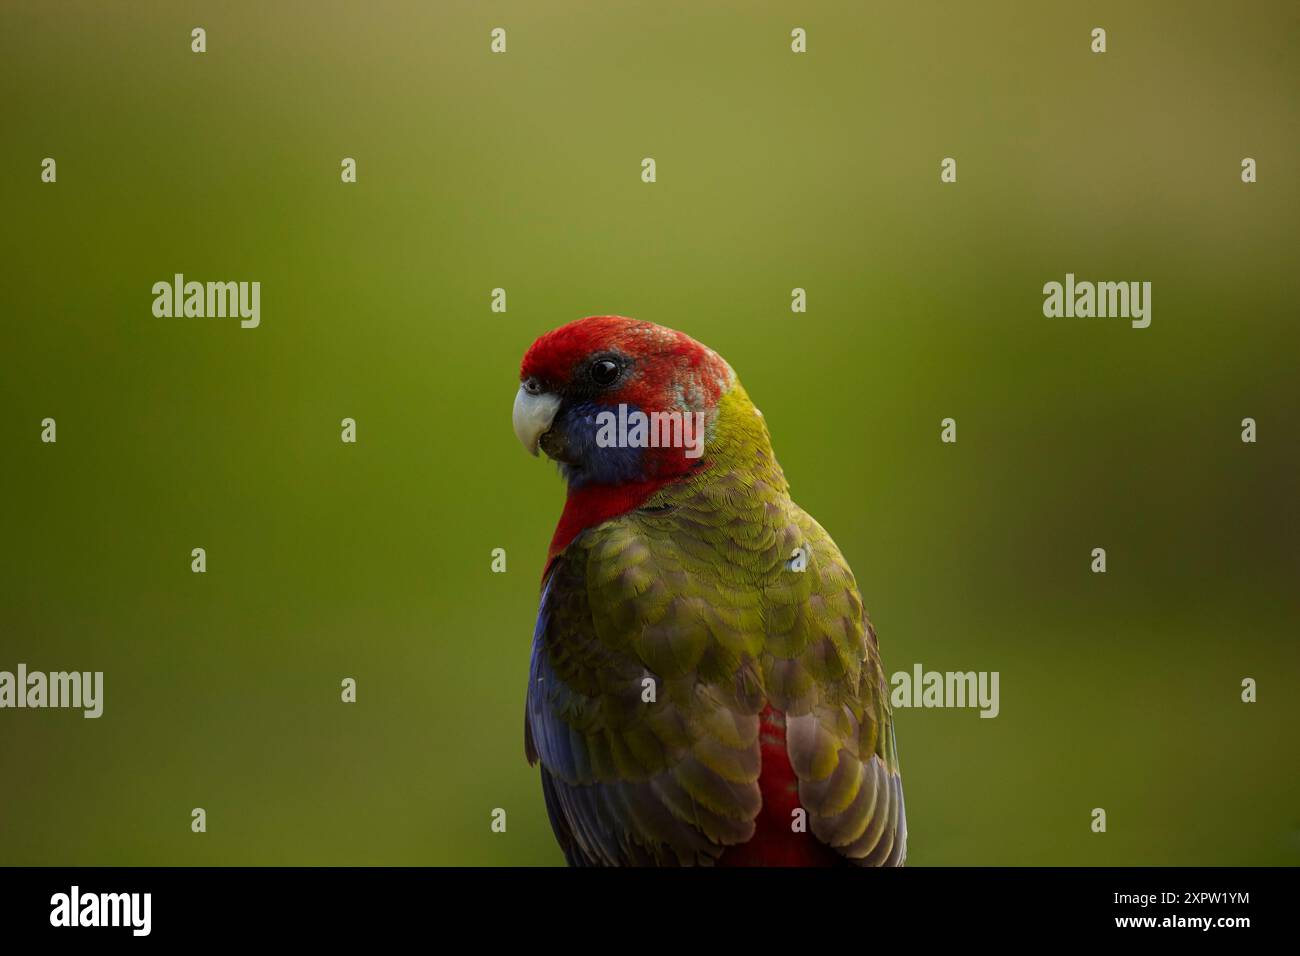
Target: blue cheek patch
x: 606, y: 466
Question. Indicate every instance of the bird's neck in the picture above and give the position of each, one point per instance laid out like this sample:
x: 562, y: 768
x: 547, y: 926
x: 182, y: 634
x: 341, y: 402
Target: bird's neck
x: 738, y: 440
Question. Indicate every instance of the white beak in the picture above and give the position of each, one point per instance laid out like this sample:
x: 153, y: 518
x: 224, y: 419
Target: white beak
x: 533, y: 416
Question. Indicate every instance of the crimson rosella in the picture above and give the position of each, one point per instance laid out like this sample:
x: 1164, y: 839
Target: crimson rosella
x: 705, y: 685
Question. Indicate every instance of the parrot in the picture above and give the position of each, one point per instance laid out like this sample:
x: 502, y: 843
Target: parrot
x: 705, y: 687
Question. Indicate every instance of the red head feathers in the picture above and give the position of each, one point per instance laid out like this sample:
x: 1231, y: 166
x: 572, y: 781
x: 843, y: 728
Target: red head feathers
x: 584, y: 383
x: 666, y: 370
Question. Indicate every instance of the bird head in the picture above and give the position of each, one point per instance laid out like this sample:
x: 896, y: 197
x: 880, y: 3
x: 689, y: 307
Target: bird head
x: 613, y: 400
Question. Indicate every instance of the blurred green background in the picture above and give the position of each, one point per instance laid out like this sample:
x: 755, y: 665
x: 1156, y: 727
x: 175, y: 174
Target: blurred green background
x: 522, y: 171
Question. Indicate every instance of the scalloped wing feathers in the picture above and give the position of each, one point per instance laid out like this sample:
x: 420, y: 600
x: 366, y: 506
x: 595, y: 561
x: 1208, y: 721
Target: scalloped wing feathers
x: 662, y: 636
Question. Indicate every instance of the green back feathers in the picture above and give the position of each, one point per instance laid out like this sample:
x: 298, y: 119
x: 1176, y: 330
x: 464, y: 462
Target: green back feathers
x: 666, y: 631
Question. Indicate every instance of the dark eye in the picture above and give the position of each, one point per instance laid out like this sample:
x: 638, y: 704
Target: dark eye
x: 604, y: 371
